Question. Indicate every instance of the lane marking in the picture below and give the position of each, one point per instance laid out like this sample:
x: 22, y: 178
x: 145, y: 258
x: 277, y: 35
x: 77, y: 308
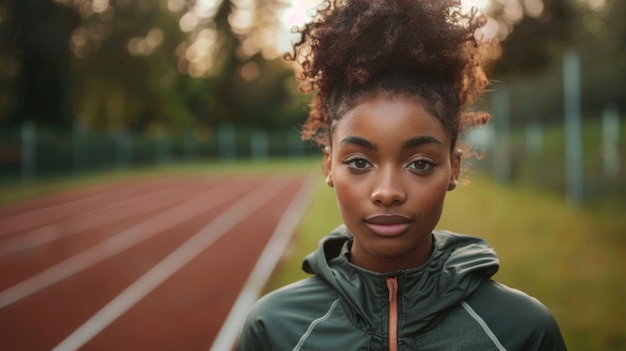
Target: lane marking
x: 24, y: 221
x: 132, y: 236
x: 171, y: 264
x: 170, y: 188
x: 90, y: 220
x: 265, y: 265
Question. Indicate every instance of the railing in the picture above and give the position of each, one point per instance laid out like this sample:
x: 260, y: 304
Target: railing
x: 31, y: 152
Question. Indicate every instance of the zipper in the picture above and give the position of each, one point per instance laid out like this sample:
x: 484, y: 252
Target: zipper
x: 392, y: 287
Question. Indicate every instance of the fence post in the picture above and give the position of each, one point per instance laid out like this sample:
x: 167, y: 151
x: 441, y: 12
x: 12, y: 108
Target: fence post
x: 189, y: 145
x: 259, y: 145
x: 78, y: 147
x: 534, y: 147
x: 163, y: 148
x: 573, y: 136
x: 29, y: 152
x: 122, y: 149
x: 501, y: 149
x: 610, y: 142
x: 294, y: 144
x: 226, y: 142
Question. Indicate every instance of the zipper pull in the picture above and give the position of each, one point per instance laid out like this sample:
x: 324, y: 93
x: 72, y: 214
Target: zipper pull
x: 392, y: 287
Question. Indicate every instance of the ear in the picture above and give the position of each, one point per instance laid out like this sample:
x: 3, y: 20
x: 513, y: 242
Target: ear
x: 455, y: 165
x: 327, y: 166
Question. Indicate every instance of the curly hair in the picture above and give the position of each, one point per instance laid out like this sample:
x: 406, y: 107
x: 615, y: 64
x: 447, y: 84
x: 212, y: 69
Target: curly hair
x: 423, y: 49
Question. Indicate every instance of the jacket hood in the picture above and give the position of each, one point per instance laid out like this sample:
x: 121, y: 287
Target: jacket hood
x: 454, y: 270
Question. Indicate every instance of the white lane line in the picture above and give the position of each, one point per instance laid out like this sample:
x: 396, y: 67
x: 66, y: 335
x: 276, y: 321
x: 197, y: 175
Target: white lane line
x: 26, y: 220
x: 153, y: 193
x: 90, y: 220
x: 120, y: 242
x: 265, y: 265
x: 171, y: 264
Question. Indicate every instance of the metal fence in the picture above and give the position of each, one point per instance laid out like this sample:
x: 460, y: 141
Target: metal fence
x: 536, y: 155
x: 30, y: 152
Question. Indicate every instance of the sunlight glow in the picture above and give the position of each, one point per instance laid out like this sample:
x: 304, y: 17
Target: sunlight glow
x: 299, y: 12
x: 188, y: 22
x: 595, y: 5
x: 206, y: 8
x: 139, y: 46
x: 482, y: 5
x: 99, y: 6
x: 513, y: 11
x: 175, y: 5
x: 241, y: 20
x: 534, y: 8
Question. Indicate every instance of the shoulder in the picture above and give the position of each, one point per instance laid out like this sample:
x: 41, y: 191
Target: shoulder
x: 491, y: 294
x: 295, y: 297
x: 518, y: 320
x: 278, y: 320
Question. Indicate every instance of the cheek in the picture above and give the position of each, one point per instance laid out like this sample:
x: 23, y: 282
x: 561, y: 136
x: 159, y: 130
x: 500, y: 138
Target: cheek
x: 430, y: 198
x: 345, y: 192
x: 438, y: 201
x: 349, y: 195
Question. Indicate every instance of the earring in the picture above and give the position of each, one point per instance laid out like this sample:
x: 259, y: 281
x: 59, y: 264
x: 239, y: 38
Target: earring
x: 329, y: 181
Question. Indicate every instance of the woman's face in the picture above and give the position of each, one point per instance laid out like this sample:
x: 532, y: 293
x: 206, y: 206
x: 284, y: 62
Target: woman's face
x: 391, y: 166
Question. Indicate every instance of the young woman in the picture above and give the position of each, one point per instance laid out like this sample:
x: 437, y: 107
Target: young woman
x: 392, y: 80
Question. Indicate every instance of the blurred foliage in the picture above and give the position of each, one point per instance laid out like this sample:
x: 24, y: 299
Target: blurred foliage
x: 538, y: 31
x: 534, y: 35
x: 171, y: 65
x: 537, y: 37
x: 141, y: 65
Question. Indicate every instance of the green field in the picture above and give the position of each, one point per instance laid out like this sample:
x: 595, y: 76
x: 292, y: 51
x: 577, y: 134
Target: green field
x: 574, y: 261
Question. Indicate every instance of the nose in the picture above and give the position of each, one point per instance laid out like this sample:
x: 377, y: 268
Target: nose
x: 388, y: 189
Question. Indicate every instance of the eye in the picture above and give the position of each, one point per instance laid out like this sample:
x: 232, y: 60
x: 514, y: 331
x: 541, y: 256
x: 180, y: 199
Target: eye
x: 357, y: 163
x: 421, y: 165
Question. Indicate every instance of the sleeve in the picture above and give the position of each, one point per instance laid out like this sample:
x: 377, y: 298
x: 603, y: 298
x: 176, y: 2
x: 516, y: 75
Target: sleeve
x: 519, y: 321
x: 253, y: 336
x: 545, y: 334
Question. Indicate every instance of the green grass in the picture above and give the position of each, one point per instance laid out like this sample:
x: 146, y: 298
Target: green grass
x: 574, y: 261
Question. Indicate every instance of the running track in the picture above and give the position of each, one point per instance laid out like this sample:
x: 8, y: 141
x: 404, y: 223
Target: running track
x: 160, y: 264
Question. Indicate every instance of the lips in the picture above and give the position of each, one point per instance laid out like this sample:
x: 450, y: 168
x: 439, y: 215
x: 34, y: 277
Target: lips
x: 388, y: 224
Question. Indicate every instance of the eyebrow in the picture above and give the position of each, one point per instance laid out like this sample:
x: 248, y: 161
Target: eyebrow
x: 354, y: 140
x: 421, y: 140
x: 407, y: 144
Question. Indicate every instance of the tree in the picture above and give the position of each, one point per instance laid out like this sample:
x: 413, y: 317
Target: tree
x: 34, y: 41
x: 536, y: 35
x: 149, y: 66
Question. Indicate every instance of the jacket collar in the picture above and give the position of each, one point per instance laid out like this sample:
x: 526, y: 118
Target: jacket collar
x: 454, y: 270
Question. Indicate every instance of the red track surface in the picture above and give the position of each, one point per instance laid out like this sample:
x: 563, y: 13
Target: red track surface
x: 67, y: 256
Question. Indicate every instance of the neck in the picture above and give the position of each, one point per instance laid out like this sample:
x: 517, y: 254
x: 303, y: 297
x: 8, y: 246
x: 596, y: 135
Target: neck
x: 386, y: 264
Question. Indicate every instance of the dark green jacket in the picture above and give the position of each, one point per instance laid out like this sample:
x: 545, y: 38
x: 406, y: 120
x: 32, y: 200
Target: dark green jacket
x: 449, y: 303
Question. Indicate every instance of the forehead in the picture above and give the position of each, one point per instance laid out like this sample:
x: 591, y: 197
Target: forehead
x: 395, y: 118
